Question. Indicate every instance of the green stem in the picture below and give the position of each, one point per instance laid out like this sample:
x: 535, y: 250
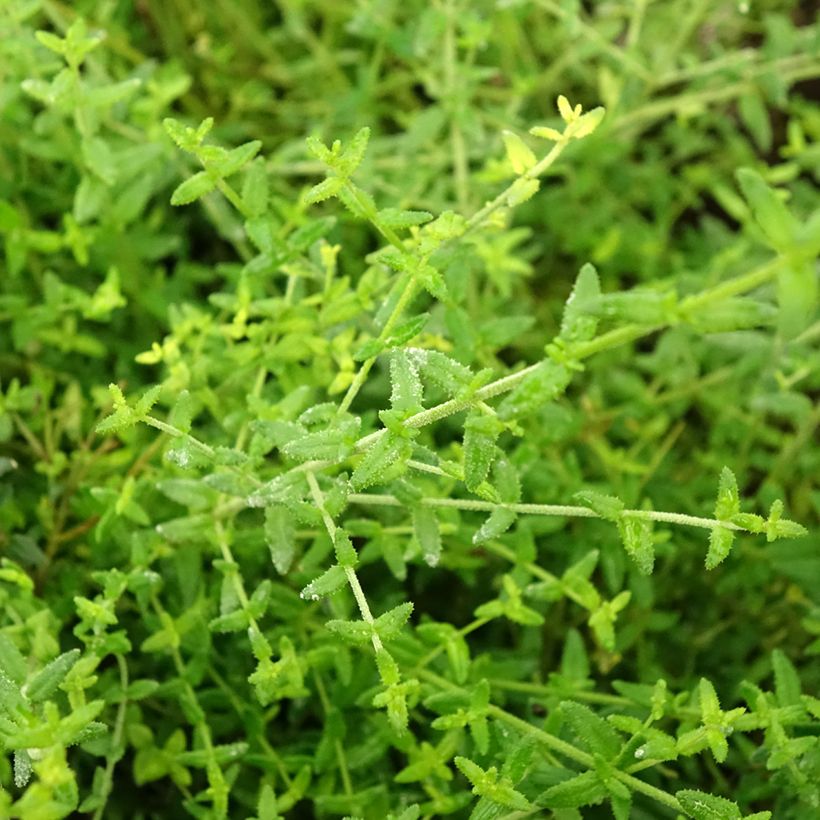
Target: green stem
x: 478, y: 218
x: 350, y: 573
x: 460, y: 167
x: 473, y: 504
x: 560, y: 746
x: 373, y: 217
x: 117, y: 746
x: 401, y: 303
x: 594, y: 36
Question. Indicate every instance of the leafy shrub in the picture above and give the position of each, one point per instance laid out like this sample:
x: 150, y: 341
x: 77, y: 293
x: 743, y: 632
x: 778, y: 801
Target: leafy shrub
x: 444, y: 469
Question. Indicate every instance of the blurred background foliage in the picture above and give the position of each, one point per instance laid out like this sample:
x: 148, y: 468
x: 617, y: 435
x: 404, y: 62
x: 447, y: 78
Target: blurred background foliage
x: 98, y: 266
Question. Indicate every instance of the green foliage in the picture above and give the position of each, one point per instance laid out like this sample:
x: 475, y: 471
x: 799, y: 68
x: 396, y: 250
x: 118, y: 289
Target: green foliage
x: 397, y: 502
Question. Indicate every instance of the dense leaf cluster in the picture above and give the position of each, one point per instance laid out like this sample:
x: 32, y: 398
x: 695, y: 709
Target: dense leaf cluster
x: 435, y: 459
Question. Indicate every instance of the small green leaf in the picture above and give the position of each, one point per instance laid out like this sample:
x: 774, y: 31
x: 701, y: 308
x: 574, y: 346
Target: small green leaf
x: 255, y: 188
x: 582, y: 790
x: 703, y: 806
x: 406, y: 393
x: 779, y: 226
x: 522, y: 190
x: 594, y: 733
x: 12, y: 663
x: 346, y: 554
x: 720, y: 544
x: 544, y: 384
x: 546, y: 133
x: 388, y: 452
x: 236, y: 621
x: 426, y: 530
x: 444, y: 371
x: 46, y: 681
x: 786, y: 680
x: 397, y: 219
x: 326, y: 189
x: 797, y: 297
x: 584, y: 125
x: 777, y: 527
x: 193, y: 188
x: 355, y: 632
x: 565, y: 109
x: 330, y: 581
x: 606, y: 506
x: 237, y: 158
x: 499, y: 521
x: 728, y: 500
x: 480, y: 434
x: 636, y: 534
x: 391, y: 622
x: 51, y: 41
x: 353, y: 155
x: 579, y: 321
x: 519, y: 154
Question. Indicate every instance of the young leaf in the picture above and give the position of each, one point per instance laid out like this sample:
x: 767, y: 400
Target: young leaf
x: 720, y: 545
x: 480, y: 434
x: 728, y: 500
x: 391, y: 622
x: 426, y: 529
x: 584, y: 125
x: 46, y: 681
x: 237, y: 158
x: 12, y: 663
x: 281, y: 537
x: 594, y: 733
x: 786, y: 680
x: 354, y: 153
x: 346, y: 554
x: 703, y: 806
x: 797, y: 296
x: 406, y: 393
x: 333, y: 444
x: 522, y: 190
x: 330, y: 581
x: 499, y: 521
x: 777, y: 527
x: 326, y: 189
x: 607, y: 506
x: 355, y: 632
x: 579, y: 321
x: 585, y: 789
x: 636, y: 534
x: 519, y: 154
x: 548, y: 381
x: 193, y: 188
x: 387, y: 452
x: 397, y: 219
x: 445, y: 372
x: 779, y: 226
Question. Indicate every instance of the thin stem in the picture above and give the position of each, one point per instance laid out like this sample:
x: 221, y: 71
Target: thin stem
x: 594, y: 36
x: 436, y: 651
x: 219, y: 787
x: 560, y: 746
x: 373, y: 217
x: 233, y: 197
x: 401, y: 303
x: 350, y: 573
x: 481, y: 215
x: 658, y: 109
x: 117, y: 747
x: 460, y: 168
x: 477, y: 505
x: 341, y: 758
